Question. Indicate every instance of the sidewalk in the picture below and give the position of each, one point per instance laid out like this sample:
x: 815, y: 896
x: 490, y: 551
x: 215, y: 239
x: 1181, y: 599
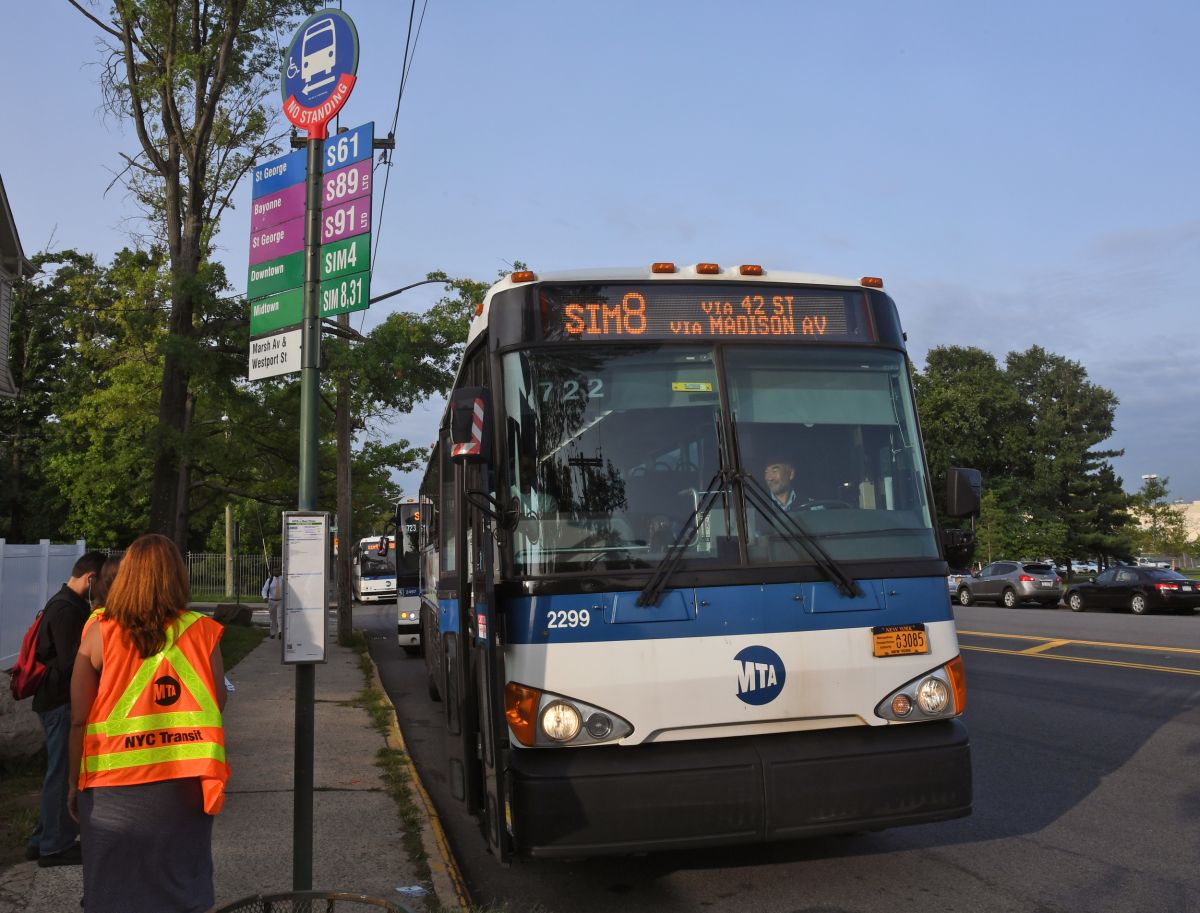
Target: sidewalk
x: 357, y: 831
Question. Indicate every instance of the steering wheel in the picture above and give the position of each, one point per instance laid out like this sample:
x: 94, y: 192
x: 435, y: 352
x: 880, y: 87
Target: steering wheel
x: 826, y: 504
x: 609, y: 550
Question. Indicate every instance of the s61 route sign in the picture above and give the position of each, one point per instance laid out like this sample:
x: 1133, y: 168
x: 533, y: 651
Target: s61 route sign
x: 319, y: 72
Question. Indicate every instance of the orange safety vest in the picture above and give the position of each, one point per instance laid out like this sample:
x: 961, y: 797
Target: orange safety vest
x: 157, y: 718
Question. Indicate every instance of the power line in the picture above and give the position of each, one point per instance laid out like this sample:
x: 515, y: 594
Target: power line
x: 410, y: 53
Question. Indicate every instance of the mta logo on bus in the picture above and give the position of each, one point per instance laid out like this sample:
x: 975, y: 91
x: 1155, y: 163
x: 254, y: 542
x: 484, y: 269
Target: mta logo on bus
x: 760, y: 675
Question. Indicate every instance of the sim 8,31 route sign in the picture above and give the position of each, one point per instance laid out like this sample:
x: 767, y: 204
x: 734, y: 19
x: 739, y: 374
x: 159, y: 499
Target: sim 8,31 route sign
x: 319, y: 72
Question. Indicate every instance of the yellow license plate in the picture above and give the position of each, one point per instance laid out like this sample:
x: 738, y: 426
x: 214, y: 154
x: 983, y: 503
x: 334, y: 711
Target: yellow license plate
x: 900, y: 640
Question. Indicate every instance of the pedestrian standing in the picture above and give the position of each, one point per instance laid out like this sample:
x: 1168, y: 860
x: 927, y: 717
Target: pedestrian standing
x: 104, y: 582
x: 147, y: 740
x: 272, y: 592
x: 53, y: 840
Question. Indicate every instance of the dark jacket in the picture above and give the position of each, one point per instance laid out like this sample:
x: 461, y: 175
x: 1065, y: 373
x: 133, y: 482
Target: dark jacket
x: 58, y: 642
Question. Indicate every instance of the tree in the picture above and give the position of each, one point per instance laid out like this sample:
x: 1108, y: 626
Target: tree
x: 1163, y: 530
x: 42, y: 346
x: 1033, y: 428
x: 192, y: 78
x: 969, y: 414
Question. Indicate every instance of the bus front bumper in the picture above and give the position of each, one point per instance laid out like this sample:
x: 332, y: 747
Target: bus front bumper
x: 678, y: 795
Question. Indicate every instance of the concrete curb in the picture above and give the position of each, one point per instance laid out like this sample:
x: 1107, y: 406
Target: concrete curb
x: 448, y: 883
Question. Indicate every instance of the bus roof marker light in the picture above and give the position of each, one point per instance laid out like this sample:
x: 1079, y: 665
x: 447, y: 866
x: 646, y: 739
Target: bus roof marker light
x: 708, y: 269
x: 523, y: 275
x: 871, y: 282
x: 750, y: 269
x: 662, y: 267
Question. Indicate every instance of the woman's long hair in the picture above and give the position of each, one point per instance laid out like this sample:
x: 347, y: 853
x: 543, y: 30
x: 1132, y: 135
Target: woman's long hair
x: 149, y: 593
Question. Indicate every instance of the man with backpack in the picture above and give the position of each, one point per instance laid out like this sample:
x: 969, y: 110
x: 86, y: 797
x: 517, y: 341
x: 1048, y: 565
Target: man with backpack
x: 53, y: 841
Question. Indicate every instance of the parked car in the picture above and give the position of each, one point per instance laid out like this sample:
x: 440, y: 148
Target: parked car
x: 1144, y: 561
x: 1084, y: 567
x: 1010, y: 583
x: 1138, y: 589
x: 954, y: 579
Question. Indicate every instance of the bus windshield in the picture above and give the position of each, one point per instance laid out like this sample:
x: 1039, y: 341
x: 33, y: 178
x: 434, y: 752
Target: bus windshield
x: 374, y: 564
x: 611, y: 450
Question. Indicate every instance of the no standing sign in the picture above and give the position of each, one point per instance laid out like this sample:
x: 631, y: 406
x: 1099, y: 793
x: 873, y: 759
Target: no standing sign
x: 320, y: 69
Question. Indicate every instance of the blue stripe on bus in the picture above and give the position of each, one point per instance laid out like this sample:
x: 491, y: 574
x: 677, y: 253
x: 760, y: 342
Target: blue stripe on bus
x: 724, y: 611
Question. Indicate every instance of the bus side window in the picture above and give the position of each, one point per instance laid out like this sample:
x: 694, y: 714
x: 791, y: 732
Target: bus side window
x: 449, y: 507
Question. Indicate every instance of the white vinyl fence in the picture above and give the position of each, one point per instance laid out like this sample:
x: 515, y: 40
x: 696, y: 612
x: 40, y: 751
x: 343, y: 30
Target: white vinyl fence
x: 29, y: 575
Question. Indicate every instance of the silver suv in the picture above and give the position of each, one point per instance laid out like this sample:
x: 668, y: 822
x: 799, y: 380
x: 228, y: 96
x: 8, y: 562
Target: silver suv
x: 1010, y: 583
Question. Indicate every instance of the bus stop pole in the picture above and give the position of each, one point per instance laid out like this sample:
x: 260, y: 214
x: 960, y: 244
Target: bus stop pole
x: 310, y: 391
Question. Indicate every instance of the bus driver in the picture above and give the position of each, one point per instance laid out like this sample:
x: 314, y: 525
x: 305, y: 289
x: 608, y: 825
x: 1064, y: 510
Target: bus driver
x: 779, y: 475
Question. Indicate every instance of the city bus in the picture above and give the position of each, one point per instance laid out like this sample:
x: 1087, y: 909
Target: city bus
x: 407, y: 555
x: 373, y: 569
x: 684, y: 583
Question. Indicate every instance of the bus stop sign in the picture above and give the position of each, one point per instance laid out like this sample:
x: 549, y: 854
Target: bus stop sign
x: 319, y: 72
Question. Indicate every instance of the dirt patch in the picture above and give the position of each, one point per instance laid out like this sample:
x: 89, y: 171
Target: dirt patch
x: 20, y: 791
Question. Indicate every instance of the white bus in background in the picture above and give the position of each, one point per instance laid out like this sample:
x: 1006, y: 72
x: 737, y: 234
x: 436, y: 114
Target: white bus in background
x: 373, y: 569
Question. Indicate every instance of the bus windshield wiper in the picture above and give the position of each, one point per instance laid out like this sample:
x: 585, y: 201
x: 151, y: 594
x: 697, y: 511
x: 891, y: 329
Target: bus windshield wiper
x: 652, y: 592
x: 787, y: 525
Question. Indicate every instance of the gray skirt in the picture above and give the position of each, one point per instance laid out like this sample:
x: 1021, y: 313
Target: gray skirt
x: 146, y: 848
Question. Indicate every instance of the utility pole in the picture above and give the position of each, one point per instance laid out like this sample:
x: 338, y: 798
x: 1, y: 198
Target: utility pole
x: 344, y: 421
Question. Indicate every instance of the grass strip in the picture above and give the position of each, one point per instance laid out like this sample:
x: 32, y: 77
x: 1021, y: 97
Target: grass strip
x: 393, y: 763
x: 239, y: 640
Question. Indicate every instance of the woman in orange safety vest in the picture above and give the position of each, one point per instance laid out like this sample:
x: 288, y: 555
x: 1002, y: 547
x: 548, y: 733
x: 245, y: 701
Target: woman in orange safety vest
x: 147, y: 693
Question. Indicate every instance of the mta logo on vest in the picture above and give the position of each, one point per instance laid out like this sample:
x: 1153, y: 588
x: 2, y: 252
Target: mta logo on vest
x: 166, y: 691
x: 760, y: 675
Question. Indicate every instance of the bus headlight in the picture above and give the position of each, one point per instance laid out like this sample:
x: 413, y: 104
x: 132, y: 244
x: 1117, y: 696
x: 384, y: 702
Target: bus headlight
x: 938, y: 694
x: 560, y: 721
x: 932, y: 696
x: 541, y: 719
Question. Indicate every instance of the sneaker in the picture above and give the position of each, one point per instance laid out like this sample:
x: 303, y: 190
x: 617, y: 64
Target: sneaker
x: 72, y: 855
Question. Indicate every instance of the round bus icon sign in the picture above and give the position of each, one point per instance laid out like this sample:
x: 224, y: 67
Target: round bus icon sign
x: 319, y: 71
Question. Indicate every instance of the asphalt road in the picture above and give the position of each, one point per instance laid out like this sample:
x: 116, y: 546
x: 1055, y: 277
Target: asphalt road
x: 1085, y: 735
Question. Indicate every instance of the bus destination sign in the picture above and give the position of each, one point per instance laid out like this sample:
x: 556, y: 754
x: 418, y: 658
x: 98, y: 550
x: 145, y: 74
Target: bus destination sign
x: 661, y: 312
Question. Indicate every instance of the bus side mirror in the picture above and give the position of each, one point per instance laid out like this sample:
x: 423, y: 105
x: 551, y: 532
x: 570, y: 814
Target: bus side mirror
x: 963, y: 487
x: 470, y: 425
x: 381, y: 547
x: 959, y: 546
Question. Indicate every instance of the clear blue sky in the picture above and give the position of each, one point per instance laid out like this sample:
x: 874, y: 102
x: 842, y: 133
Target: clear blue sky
x: 1019, y: 173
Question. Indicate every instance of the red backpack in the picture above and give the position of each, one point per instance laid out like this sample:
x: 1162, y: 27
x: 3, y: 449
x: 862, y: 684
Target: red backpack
x: 25, y: 677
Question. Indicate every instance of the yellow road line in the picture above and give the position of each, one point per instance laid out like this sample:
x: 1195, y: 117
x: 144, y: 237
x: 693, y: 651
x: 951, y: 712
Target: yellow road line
x: 1081, y: 659
x: 1083, y: 643
x: 1041, y: 648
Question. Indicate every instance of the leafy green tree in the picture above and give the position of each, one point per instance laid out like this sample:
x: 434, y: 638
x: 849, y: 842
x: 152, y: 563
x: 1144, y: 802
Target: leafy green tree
x: 1162, y: 529
x: 969, y: 414
x: 193, y: 79
x: 43, y: 363
x: 1034, y: 429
